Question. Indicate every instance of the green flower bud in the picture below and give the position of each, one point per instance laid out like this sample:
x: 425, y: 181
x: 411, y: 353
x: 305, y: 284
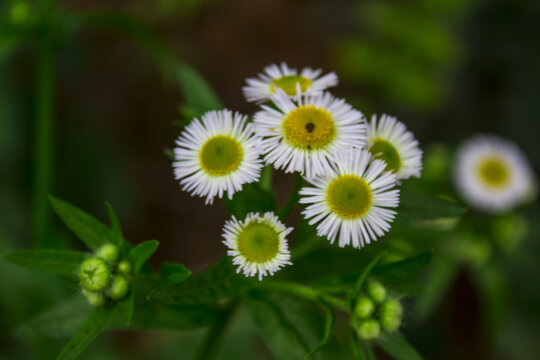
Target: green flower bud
x: 364, y: 307
x: 119, y: 287
x: 368, y: 329
x: 124, y: 267
x: 94, y: 274
x: 376, y: 291
x: 109, y: 253
x: 94, y: 298
x: 390, y: 315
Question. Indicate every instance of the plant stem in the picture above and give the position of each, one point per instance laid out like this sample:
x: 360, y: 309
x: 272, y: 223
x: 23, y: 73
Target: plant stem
x: 214, y: 336
x: 43, y: 128
x: 305, y: 292
x: 293, y: 199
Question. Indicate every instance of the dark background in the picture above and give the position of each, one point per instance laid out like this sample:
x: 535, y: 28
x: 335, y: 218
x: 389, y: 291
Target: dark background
x: 447, y: 68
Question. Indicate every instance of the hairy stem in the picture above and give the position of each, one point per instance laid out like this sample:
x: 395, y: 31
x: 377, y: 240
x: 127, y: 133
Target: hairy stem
x: 43, y: 129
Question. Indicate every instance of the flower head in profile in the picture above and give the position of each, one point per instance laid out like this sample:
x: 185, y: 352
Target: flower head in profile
x: 217, y: 154
x: 352, y: 203
x: 492, y: 174
x: 304, y: 134
x: 309, y: 81
x: 257, y: 244
x: 390, y: 141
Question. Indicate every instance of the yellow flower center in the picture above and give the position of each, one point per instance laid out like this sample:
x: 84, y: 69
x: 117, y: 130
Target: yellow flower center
x: 221, y: 155
x: 383, y: 150
x: 288, y: 83
x: 494, y: 171
x: 309, y: 127
x: 349, y: 196
x: 258, y: 242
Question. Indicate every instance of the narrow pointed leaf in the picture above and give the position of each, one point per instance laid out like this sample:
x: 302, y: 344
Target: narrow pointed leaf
x: 142, y: 252
x: 92, y: 232
x: 116, y: 230
x: 59, y: 262
x: 98, y: 319
x: 363, y: 276
x: 396, y: 346
x: 174, y: 273
x: 198, y: 94
x: 60, y: 321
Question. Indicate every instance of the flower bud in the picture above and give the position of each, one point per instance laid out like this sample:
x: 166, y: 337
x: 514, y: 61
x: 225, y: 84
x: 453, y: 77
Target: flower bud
x: 109, y: 253
x: 364, y: 307
x: 124, y: 267
x: 390, y: 315
x: 94, y: 274
x: 93, y: 297
x: 376, y: 291
x: 368, y: 329
x: 119, y: 287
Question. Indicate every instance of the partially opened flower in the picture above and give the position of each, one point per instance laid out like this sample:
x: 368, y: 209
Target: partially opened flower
x: 304, y: 135
x: 352, y: 203
x: 218, y: 154
x: 390, y: 141
x: 309, y: 81
x: 492, y: 174
x: 257, y: 244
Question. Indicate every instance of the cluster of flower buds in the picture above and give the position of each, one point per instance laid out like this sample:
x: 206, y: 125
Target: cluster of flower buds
x: 375, y: 312
x: 105, y: 275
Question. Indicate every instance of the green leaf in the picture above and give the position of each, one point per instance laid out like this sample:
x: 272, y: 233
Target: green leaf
x: 291, y: 327
x: 396, y: 346
x: 59, y: 262
x: 402, y: 270
x: 389, y: 273
x: 61, y: 321
x: 328, y: 329
x: 417, y: 208
x: 92, y: 232
x: 174, y: 273
x: 142, y: 252
x: 198, y: 94
x: 218, y: 282
x: 152, y: 315
x: 126, y: 308
x: 252, y: 198
x: 116, y: 230
x: 96, y: 322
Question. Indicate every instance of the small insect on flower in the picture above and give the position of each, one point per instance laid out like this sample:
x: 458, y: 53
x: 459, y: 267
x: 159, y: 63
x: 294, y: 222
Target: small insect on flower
x: 492, y: 174
x: 304, y: 135
x: 217, y: 154
x: 257, y: 244
x: 309, y: 81
x: 352, y: 203
x: 390, y: 141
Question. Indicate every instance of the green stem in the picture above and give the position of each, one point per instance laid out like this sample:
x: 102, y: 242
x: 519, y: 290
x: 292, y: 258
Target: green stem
x: 43, y: 129
x: 305, y: 292
x: 212, y: 340
x: 293, y: 200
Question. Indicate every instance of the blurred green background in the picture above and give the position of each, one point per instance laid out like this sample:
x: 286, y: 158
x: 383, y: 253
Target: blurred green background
x: 447, y: 68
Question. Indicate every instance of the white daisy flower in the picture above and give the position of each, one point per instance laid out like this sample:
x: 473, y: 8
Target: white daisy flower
x: 308, y: 82
x: 304, y: 135
x: 257, y: 244
x: 217, y: 154
x: 492, y: 174
x: 352, y: 203
x: 390, y: 141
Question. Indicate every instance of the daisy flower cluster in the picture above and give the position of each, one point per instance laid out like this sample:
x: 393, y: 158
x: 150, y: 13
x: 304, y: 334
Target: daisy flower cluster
x: 353, y: 166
